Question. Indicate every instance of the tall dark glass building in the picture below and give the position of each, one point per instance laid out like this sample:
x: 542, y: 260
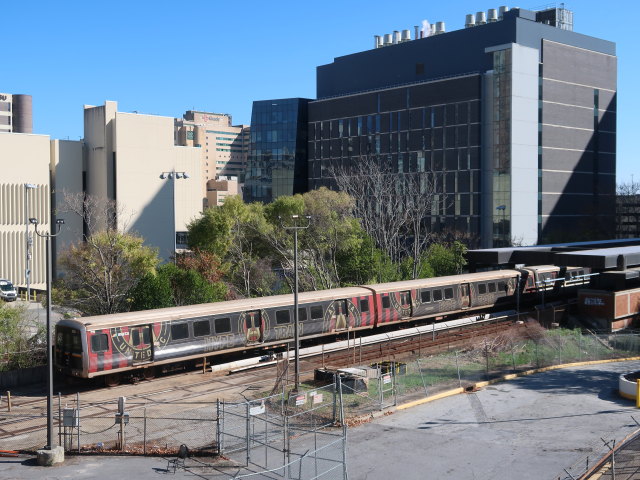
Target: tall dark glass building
x: 277, y: 163
x: 514, y: 118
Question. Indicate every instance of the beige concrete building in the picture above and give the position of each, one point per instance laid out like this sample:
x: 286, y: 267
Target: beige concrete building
x: 24, y: 194
x: 67, y: 176
x: 126, y: 154
x: 225, y: 146
x: 219, y: 190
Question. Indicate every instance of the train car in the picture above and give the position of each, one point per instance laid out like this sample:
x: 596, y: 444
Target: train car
x: 550, y: 277
x: 440, y: 296
x: 135, y: 343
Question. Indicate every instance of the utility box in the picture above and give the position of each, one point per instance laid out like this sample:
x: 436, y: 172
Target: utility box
x: 70, y: 417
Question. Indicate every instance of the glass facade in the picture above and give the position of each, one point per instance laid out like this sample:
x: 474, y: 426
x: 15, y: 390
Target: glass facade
x: 431, y: 129
x: 502, y: 148
x: 277, y: 162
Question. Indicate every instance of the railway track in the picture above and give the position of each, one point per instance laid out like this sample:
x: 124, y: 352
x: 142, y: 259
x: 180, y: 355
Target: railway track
x: 28, y: 414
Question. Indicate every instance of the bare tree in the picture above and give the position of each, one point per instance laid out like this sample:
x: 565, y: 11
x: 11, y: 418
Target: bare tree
x: 103, y: 268
x: 395, y: 209
x: 378, y: 205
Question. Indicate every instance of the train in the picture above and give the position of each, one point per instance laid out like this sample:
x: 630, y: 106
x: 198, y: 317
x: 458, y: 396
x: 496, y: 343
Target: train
x: 138, y: 345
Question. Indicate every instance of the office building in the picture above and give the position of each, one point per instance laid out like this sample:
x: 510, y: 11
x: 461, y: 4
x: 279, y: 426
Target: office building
x: 132, y: 158
x: 513, y: 117
x: 219, y: 190
x: 24, y: 194
x: 278, y: 155
x: 224, y: 146
x: 15, y: 113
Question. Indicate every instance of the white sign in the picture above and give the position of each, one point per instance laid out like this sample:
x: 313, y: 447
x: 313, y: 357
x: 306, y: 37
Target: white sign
x: 596, y: 301
x: 257, y: 410
x: 317, y: 398
x: 301, y: 400
x: 386, y: 379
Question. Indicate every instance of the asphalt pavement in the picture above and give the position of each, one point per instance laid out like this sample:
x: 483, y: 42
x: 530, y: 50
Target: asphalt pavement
x: 528, y: 428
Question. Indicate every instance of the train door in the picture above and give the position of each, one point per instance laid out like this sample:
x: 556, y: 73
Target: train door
x: 405, y: 304
x: 464, y: 295
x: 253, y: 327
x: 142, y: 344
x: 340, y: 315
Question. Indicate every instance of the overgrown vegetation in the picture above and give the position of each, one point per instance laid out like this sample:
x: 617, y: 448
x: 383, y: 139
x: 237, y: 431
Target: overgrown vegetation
x: 22, y: 341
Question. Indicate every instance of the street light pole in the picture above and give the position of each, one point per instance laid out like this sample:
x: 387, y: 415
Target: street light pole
x: 48, y: 237
x: 296, y: 328
x: 173, y: 175
x: 27, y: 268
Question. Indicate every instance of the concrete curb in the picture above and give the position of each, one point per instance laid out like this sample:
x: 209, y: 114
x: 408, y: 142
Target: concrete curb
x: 509, y: 376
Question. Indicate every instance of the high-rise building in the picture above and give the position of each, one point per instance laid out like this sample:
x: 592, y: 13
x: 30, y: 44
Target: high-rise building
x: 513, y: 118
x: 277, y: 163
x: 224, y: 146
x: 15, y: 113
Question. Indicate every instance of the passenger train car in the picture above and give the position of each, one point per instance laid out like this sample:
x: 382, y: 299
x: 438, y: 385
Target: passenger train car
x: 135, y: 344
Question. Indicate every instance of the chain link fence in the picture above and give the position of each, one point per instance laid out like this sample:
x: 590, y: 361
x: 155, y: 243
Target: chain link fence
x: 614, y: 455
x: 258, y: 433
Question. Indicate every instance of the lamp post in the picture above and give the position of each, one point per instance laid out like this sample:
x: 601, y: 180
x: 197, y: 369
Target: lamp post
x: 173, y: 175
x: 27, y: 267
x: 296, y: 330
x: 502, y: 209
x: 47, y: 237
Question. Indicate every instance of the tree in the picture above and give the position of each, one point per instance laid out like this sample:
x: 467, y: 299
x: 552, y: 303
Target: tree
x: 105, y: 268
x: 22, y: 342
x: 446, y: 260
x: 395, y: 209
x: 173, y: 286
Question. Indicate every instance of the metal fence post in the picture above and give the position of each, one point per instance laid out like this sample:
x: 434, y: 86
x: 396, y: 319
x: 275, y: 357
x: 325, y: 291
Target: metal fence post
x: 78, y: 409
x: 144, y: 434
x: 424, y: 384
x: 59, y: 422
x: 458, y: 370
x: 344, y: 433
x: 248, y: 432
x: 513, y: 357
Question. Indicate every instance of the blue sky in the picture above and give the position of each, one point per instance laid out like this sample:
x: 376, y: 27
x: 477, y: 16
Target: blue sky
x: 166, y: 57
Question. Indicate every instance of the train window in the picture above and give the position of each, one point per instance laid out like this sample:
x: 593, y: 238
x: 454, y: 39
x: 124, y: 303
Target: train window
x: 282, y: 317
x: 581, y: 272
x: 201, y: 328
x: 386, y: 302
x: 316, y: 312
x: 222, y: 325
x: 179, y: 331
x: 135, y: 337
x: 425, y: 296
x: 99, y: 342
x: 437, y: 295
x: 302, y: 314
x: 364, y: 305
x: 502, y: 287
x: 482, y: 288
x: 68, y: 339
x: 448, y: 293
x: 492, y: 287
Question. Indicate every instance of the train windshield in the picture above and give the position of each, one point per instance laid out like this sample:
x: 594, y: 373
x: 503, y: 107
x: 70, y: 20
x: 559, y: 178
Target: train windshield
x: 68, y: 339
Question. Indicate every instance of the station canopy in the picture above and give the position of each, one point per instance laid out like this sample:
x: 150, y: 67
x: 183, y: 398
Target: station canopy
x: 599, y: 255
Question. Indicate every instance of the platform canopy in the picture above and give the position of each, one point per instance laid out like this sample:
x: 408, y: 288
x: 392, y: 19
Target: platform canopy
x: 603, y: 254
